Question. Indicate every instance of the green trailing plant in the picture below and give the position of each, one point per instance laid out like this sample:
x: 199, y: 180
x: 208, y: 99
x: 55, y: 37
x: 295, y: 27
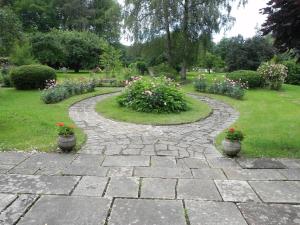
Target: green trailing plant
x: 234, y: 135
x: 157, y: 95
x: 31, y: 76
x: 273, y: 74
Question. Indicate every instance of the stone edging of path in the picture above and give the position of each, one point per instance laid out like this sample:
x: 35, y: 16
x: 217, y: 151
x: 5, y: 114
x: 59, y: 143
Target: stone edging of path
x: 108, y: 137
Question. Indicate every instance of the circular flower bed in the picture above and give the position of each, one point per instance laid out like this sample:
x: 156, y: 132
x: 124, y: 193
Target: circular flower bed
x: 156, y: 95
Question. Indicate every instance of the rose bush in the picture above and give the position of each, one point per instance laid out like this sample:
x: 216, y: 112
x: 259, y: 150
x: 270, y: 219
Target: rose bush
x: 273, y: 74
x: 158, y: 95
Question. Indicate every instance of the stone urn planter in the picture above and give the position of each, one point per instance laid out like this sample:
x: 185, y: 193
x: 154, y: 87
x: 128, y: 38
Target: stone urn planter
x: 66, y: 143
x: 231, y: 148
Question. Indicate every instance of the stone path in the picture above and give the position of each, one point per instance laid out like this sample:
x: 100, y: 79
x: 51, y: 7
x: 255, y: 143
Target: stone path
x: 142, y: 175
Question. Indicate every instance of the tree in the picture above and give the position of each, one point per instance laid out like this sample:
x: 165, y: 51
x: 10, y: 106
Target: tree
x: 211, y: 61
x: 193, y: 18
x: 10, y: 30
x: 283, y: 23
x: 241, y: 54
x: 110, y: 59
x: 36, y: 15
x: 72, y: 49
x: 22, y: 54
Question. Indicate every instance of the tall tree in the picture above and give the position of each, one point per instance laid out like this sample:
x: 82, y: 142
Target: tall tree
x: 283, y: 23
x: 194, y: 19
x: 10, y: 30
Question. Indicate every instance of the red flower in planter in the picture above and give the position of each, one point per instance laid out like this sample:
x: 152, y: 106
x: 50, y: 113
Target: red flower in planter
x: 231, y: 130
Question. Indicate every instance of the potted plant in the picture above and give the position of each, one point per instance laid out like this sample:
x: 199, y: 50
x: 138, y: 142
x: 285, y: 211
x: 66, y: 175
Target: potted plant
x: 66, y: 139
x: 232, y: 143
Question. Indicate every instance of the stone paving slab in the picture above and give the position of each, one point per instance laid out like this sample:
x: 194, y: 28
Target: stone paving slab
x: 120, y: 172
x: 213, y: 213
x: 192, y: 163
x: 162, y: 172
x: 12, y: 183
x: 236, y: 191
x: 123, y: 187
x: 261, y: 163
x: 158, y: 188
x: 147, y: 212
x: 208, y: 174
x: 13, y: 213
x: 12, y: 158
x: 253, y: 174
x: 88, y: 170
x: 66, y: 210
x: 222, y: 163
x: 291, y: 174
x: 290, y: 163
x: 5, y: 200
x: 197, y: 190
x: 91, y: 186
x: 163, y: 161
x: 126, y: 161
x: 277, y: 191
x: 263, y: 214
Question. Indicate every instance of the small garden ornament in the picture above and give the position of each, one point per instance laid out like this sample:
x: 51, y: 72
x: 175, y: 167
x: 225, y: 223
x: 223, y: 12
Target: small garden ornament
x: 66, y: 139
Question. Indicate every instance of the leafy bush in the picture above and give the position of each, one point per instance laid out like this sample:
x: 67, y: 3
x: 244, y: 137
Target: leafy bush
x: 158, y: 95
x: 234, y: 89
x: 31, y: 76
x: 5, y: 78
x: 164, y: 70
x: 252, y: 78
x: 22, y: 54
x: 54, y: 92
x: 293, y: 72
x: 274, y: 74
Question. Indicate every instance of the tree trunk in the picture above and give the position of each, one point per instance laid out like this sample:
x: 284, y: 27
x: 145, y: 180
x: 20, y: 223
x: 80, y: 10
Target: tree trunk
x: 166, y: 16
x: 185, y: 39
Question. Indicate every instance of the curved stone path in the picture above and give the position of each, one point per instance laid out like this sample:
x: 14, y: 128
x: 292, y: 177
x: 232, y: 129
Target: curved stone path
x: 118, y: 138
x: 129, y: 174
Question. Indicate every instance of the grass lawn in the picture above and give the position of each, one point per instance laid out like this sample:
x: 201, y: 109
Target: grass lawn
x: 270, y: 121
x: 26, y: 123
x: 109, y: 108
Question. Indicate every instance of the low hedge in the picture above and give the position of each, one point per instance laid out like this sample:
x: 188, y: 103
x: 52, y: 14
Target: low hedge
x: 31, y: 76
x: 252, y: 78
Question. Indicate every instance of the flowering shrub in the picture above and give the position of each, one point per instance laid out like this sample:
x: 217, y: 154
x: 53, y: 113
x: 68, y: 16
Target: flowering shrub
x: 231, y: 88
x: 65, y: 130
x: 159, y: 95
x: 234, y: 135
x: 274, y: 74
x: 54, y: 92
x: 200, y: 84
x: 251, y: 78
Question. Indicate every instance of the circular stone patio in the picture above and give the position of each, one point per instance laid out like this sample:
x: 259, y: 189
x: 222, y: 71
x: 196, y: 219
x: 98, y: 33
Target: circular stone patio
x: 128, y: 174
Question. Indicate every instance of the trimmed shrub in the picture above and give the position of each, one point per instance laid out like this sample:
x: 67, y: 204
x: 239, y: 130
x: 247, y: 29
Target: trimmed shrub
x: 251, y: 78
x: 274, y: 74
x: 54, y: 92
x: 293, y: 72
x: 31, y: 76
x: 156, y: 95
x: 5, y: 78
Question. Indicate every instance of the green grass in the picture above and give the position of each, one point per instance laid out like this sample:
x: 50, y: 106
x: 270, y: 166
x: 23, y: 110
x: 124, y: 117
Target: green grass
x: 109, y: 108
x: 26, y: 123
x: 269, y: 119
